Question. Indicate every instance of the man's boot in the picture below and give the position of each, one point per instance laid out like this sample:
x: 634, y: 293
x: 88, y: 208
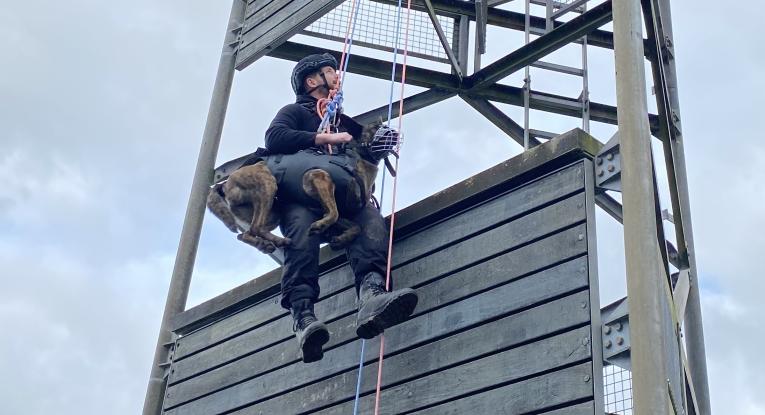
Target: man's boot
x: 379, y: 309
x: 311, y: 333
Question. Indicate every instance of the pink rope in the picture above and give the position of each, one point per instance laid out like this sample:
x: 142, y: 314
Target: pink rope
x: 393, y: 203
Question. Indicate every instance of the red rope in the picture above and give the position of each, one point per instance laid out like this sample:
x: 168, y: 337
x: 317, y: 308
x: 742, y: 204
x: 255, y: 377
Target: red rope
x: 341, y: 74
x: 393, y: 203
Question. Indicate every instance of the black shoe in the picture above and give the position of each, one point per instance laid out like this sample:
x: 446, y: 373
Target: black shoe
x: 311, y: 333
x: 379, y: 309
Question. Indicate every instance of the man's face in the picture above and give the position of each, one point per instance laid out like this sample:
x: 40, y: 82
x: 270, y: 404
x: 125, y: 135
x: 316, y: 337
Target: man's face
x: 329, y: 74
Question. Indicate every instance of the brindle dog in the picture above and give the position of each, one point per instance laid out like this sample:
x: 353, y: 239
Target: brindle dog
x: 245, y: 201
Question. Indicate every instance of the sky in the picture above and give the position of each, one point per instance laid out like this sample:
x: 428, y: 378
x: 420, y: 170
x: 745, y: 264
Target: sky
x: 102, y: 107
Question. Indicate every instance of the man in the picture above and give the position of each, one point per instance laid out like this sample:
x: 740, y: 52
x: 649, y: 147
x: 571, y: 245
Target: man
x: 294, y: 128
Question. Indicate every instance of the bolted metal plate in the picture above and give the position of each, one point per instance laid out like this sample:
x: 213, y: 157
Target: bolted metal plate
x: 608, y: 166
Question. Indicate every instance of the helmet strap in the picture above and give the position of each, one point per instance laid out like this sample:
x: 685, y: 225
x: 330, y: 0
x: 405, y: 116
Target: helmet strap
x: 325, y: 85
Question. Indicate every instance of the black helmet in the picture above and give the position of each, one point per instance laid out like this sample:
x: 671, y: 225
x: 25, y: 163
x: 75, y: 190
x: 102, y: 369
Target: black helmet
x: 308, y: 65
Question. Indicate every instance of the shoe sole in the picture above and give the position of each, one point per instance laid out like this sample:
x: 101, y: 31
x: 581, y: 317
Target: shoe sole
x: 313, y: 342
x: 396, y: 311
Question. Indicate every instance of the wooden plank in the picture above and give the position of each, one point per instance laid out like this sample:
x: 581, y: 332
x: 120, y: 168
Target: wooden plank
x: 280, y: 26
x: 270, y: 334
x: 525, y: 199
x: 430, y: 358
x: 495, y: 241
x: 586, y: 408
x: 267, y: 15
x: 330, y: 284
x: 475, y: 376
x: 280, y: 330
x: 253, y: 6
x: 454, y: 288
x: 556, y: 388
x: 523, y: 230
x: 457, y: 316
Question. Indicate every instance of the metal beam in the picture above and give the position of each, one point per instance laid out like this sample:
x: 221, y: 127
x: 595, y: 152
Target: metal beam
x: 505, y: 18
x: 375, y: 68
x: 412, y: 103
x: 643, y: 260
x: 542, y: 46
x: 610, y: 206
x: 658, y: 20
x: 442, y: 38
x: 498, y: 118
x: 427, y: 78
x: 568, y: 7
x: 192, y: 224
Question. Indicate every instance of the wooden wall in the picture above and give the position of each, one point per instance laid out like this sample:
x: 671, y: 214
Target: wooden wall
x: 507, y: 323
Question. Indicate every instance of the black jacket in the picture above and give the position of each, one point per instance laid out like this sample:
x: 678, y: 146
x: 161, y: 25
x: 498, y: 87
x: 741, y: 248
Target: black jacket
x: 294, y: 127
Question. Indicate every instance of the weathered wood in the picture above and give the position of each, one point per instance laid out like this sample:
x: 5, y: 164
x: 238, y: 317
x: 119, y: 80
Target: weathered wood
x: 586, y: 408
x: 520, y: 201
x: 523, y: 230
x: 268, y: 335
x: 495, y: 241
x: 457, y: 316
x: 463, y: 283
x: 278, y: 27
x: 460, y: 285
x: 536, y: 394
x: 253, y: 6
x: 456, y: 287
x: 475, y: 376
x: 430, y: 360
x: 262, y: 19
x: 330, y: 284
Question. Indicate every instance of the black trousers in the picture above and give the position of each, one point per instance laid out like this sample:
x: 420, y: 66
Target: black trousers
x: 300, y: 277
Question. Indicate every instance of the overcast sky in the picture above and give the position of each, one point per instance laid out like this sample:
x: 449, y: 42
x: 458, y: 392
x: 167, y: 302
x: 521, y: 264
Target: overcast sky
x: 102, y: 107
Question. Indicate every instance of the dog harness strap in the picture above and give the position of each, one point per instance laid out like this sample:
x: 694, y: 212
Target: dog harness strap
x: 288, y: 170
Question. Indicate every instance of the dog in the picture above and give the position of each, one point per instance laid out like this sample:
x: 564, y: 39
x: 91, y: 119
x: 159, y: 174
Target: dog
x: 245, y: 201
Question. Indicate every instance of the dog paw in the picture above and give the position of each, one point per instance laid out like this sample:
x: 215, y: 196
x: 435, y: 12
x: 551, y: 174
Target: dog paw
x: 337, y: 244
x: 316, y: 228
x: 257, y: 242
x: 284, y: 242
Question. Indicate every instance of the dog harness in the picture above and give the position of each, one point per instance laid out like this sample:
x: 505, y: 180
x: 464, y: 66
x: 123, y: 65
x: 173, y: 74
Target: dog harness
x: 288, y: 169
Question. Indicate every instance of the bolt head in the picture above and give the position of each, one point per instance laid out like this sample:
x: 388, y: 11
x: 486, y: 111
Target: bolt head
x: 586, y: 378
x: 608, y: 344
x: 580, y: 237
x: 599, y: 160
x: 611, y: 168
x: 601, y: 172
x: 618, y: 326
x: 620, y: 340
x: 607, y: 329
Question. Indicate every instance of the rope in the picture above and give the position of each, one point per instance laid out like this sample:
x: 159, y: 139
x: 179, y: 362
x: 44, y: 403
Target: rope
x: 327, y: 109
x: 393, y: 201
x: 392, y: 82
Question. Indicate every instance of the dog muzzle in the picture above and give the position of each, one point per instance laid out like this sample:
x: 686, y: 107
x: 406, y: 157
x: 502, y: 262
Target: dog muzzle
x: 386, y: 141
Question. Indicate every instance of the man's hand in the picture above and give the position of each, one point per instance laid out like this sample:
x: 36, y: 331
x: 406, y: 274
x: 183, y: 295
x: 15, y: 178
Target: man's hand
x: 334, y: 138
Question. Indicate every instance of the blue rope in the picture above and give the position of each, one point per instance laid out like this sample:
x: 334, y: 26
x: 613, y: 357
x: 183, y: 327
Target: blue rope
x: 337, y: 100
x: 392, y: 83
x: 358, y: 381
x: 331, y: 110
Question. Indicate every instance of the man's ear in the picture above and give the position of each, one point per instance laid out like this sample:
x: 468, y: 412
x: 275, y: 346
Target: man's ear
x: 310, y: 82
